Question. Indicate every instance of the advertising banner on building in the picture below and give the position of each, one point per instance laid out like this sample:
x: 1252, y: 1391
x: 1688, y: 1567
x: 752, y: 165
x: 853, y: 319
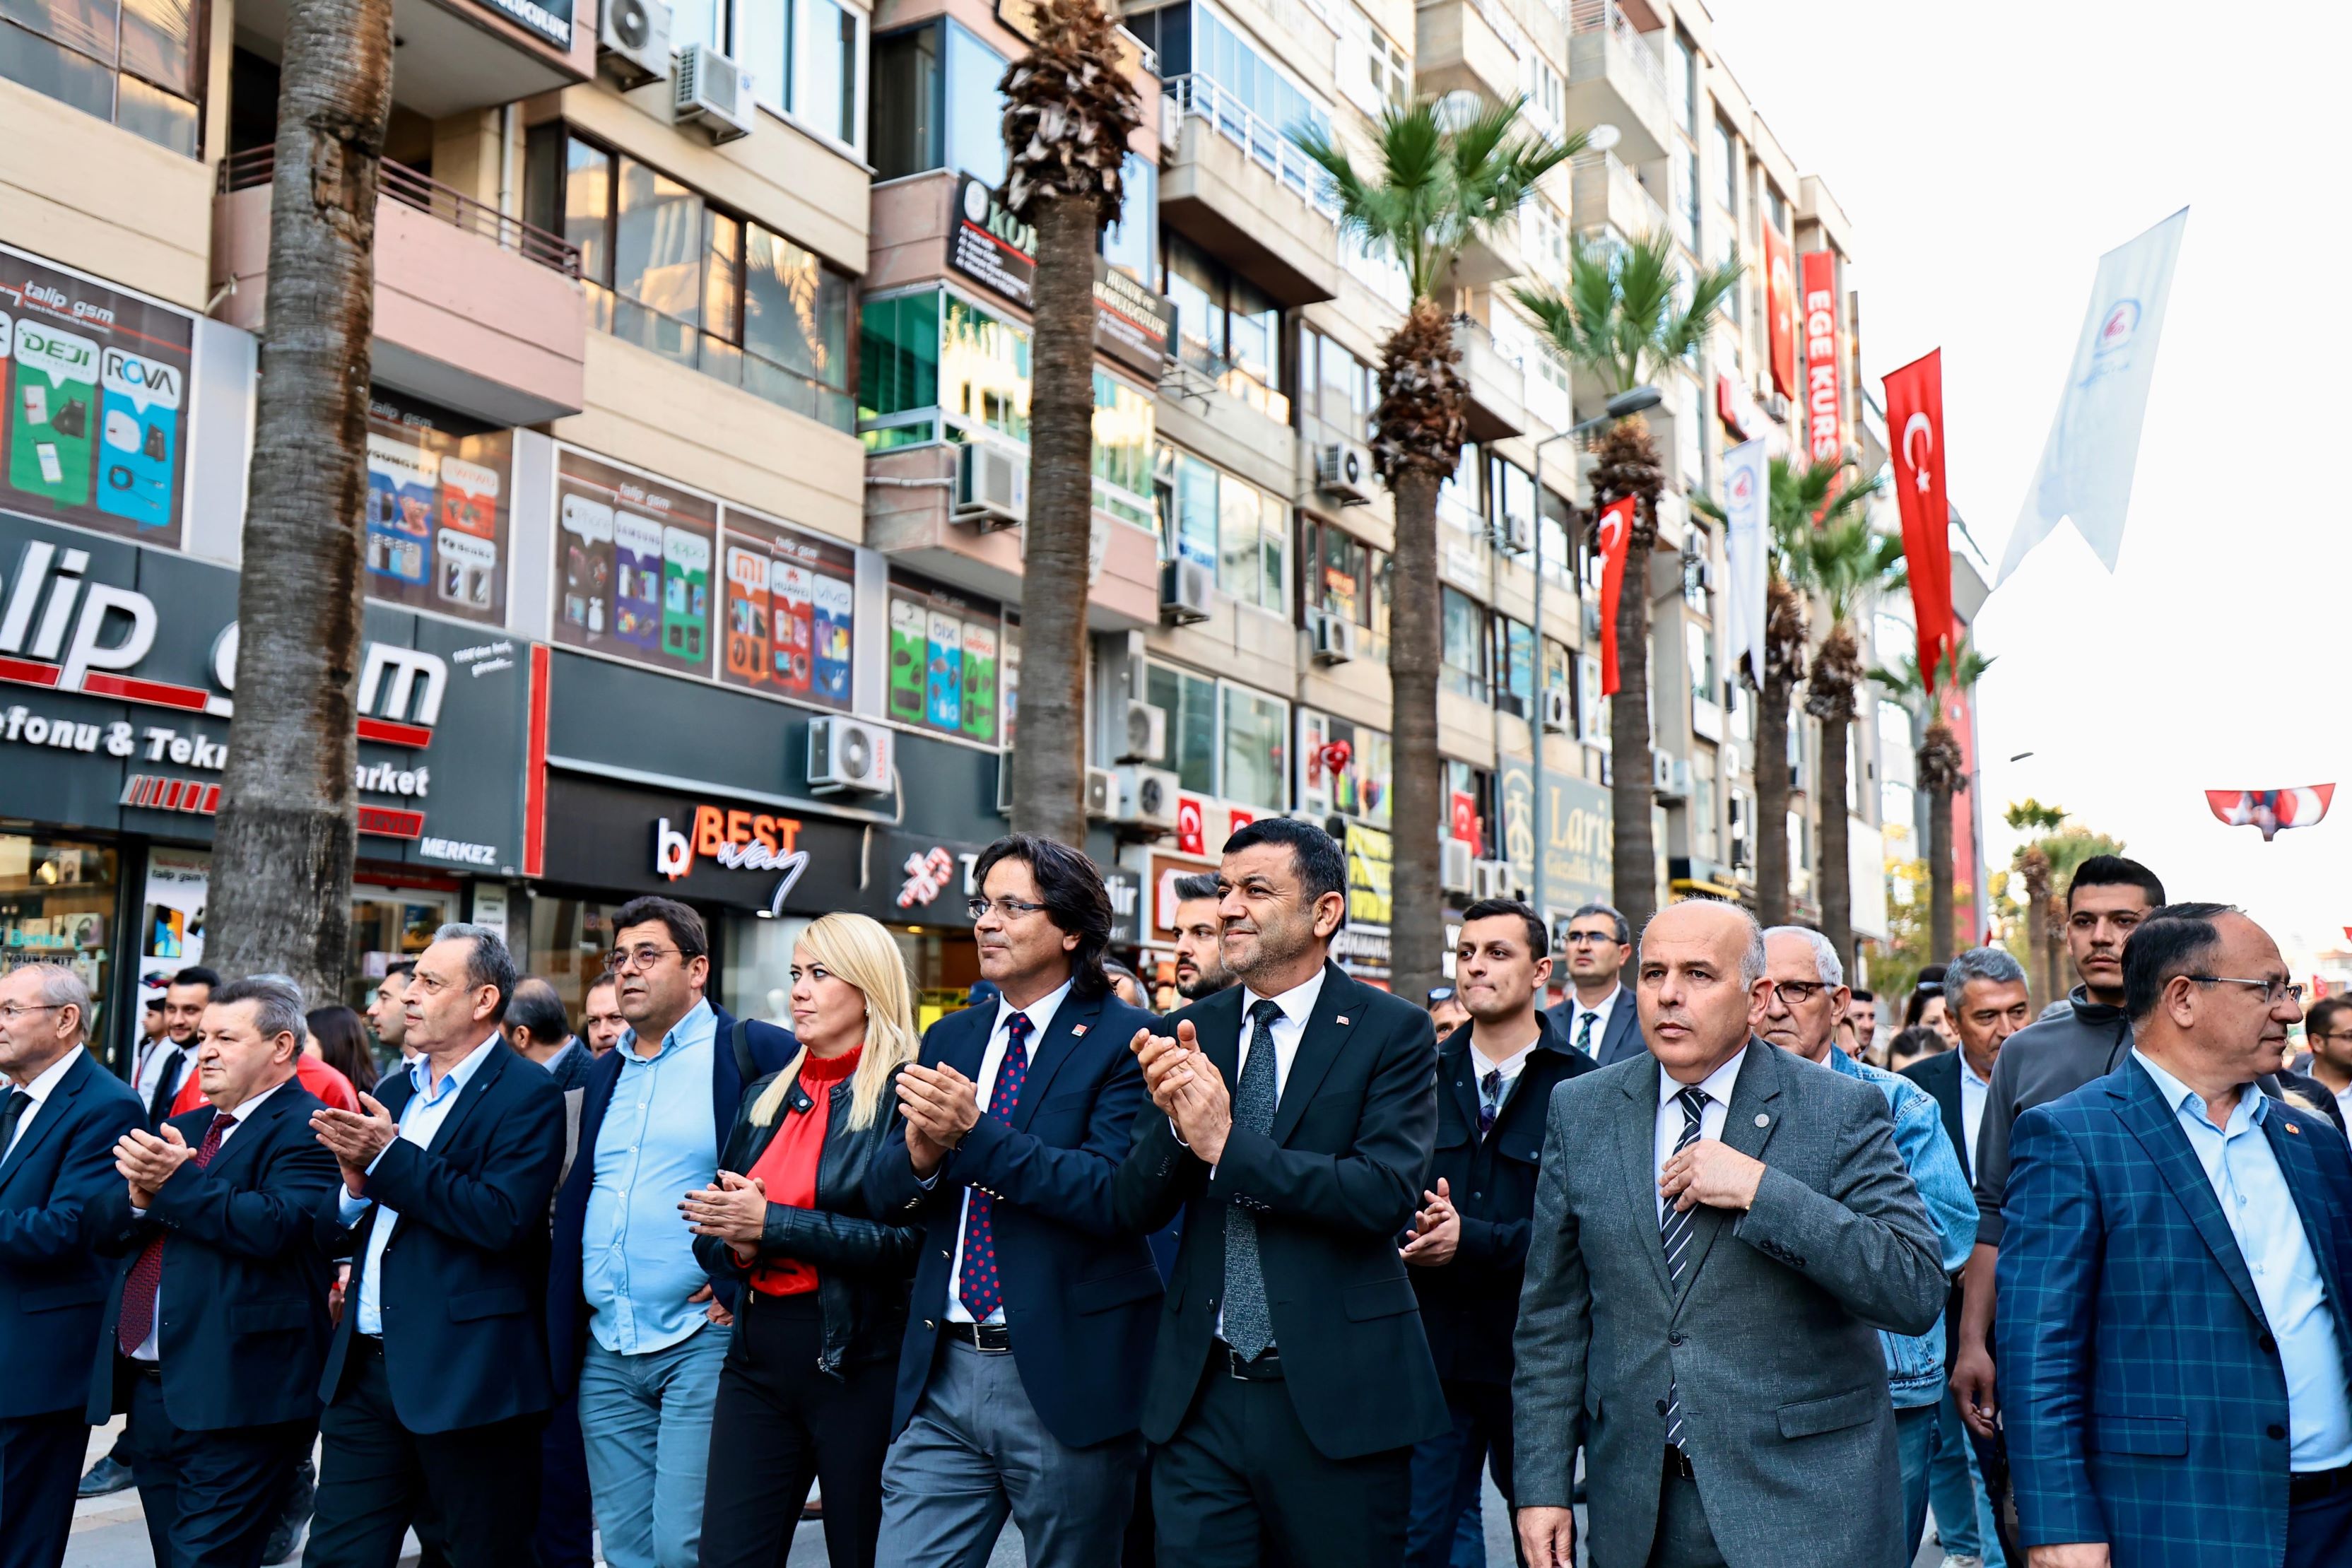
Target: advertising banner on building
x: 945, y: 649
x: 172, y: 918
x: 726, y: 850
x: 996, y: 250
x: 1361, y: 945
x: 791, y: 605
x: 633, y: 564
x: 94, y: 402
x: 1578, y: 841
x: 1780, y: 310
x: 1824, y: 398
x: 437, y: 517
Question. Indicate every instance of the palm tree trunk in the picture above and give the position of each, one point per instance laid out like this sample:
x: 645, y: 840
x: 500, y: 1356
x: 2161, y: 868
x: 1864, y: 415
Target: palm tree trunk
x: 2050, y: 915
x: 1772, y: 796
x: 286, y: 834
x: 1837, y: 887
x: 1417, y: 918
x: 1634, y: 863
x: 1940, y: 875
x: 1049, y: 765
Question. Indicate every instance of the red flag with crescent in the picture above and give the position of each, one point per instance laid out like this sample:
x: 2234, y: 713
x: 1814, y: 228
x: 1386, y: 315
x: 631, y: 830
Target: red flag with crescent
x: 1616, y: 534
x: 1780, y: 307
x: 2271, y: 809
x: 1915, y: 424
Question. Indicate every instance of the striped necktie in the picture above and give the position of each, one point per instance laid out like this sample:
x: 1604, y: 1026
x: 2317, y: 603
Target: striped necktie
x: 1674, y: 1234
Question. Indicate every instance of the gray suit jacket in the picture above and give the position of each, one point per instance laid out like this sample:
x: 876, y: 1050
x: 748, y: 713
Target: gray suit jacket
x: 1769, y: 1341
x: 1619, y: 1038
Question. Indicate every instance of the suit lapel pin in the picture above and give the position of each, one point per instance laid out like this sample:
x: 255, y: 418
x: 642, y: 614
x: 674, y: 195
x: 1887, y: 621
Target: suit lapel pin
x: 1077, y: 1029
x: 2295, y: 1130
x: 1762, y: 1120
x: 1341, y: 1018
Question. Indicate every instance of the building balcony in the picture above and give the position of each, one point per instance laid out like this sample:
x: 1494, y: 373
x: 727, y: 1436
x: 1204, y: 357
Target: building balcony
x: 474, y: 311
x: 1498, y: 383
x: 1616, y: 78
x: 1604, y: 191
x: 1219, y: 411
x: 1242, y: 190
x: 450, y: 56
x: 1490, y: 258
x: 1467, y: 45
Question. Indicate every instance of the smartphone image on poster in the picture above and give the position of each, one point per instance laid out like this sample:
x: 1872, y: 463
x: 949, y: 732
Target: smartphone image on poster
x: 685, y: 595
x: 834, y: 602
x: 587, y: 535
x: 943, y: 688
x: 400, y: 507
x: 470, y: 498
x: 979, y: 681
x: 795, y: 626
x: 469, y: 573
x: 907, y: 644
x: 139, y: 411
x: 638, y: 580
x: 53, y: 415
x: 746, y: 614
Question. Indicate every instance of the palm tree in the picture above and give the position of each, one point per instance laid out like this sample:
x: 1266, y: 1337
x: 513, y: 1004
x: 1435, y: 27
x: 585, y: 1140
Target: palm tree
x: 1069, y: 109
x: 2032, y: 862
x: 1942, y: 769
x: 287, y: 835
x: 1627, y: 317
x: 1439, y: 180
x: 1798, y: 496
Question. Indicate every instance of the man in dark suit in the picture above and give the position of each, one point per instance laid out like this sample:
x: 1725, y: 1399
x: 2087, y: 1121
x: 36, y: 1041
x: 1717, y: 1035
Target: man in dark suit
x: 217, y: 1326
x: 438, y: 1376
x: 162, y: 1068
x: 1292, y: 1375
x: 1469, y: 1248
x: 1033, y: 1305
x: 536, y: 1027
x: 1598, y: 1015
x: 2174, y: 1274
x: 60, y: 1116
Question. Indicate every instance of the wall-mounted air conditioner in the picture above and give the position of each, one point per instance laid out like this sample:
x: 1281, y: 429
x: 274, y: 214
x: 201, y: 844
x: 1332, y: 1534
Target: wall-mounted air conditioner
x: 1187, y: 590
x: 992, y: 486
x: 710, y: 90
x: 1334, y: 635
x: 632, y: 41
x: 1147, y: 798
x: 848, y: 754
x: 1343, y: 471
x: 1146, y: 739
x: 1457, y: 866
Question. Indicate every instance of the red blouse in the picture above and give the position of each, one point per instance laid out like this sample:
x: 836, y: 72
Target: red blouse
x: 788, y: 1164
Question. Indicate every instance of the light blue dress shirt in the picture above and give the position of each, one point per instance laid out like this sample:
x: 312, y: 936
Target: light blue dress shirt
x: 2259, y: 1208
x: 658, y: 1141
x: 420, y: 1119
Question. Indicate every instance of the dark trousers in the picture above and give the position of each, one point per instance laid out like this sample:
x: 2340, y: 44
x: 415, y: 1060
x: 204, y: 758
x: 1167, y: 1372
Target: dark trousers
x: 1445, y: 1470
x: 1684, y: 1539
x: 209, y: 1498
x: 1240, y: 1484
x: 566, y: 1518
x: 780, y: 1423
x: 2319, y: 1533
x: 478, y: 1485
x: 40, y: 1460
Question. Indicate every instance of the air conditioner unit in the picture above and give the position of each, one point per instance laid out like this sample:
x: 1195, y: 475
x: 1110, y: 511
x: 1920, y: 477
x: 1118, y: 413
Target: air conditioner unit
x: 632, y: 41
x: 709, y: 90
x: 1491, y: 879
x: 1728, y: 759
x: 1147, y: 733
x: 1457, y: 866
x: 1102, y: 794
x: 1707, y: 575
x: 848, y: 754
x: 1738, y: 853
x: 1558, y: 714
x: 992, y: 486
x: 1343, y: 471
x: 1187, y: 588
x: 1147, y: 798
x: 1669, y: 776
x: 1516, y: 534
x: 1334, y: 634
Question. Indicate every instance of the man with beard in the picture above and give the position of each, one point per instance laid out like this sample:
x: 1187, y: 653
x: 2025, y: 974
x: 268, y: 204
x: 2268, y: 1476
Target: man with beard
x: 1199, y: 963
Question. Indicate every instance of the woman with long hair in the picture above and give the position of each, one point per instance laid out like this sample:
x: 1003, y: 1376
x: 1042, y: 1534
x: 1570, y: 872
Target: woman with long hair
x: 805, y: 1392
x: 340, y: 1040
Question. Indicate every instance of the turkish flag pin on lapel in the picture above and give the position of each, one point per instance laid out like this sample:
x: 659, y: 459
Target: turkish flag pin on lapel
x: 1077, y: 1029
x: 2295, y: 1130
x: 1341, y: 1018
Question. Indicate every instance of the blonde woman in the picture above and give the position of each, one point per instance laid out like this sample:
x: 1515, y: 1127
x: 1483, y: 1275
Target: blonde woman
x: 804, y: 1394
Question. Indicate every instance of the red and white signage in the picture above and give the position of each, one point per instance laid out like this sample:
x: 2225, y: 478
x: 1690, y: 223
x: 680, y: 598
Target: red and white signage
x: 1188, y: 825
x: 1464, y: 815
x: 1915, y: 422
x: 1824, y: 375
x: 1736, y: 406
x: 1780, y: 310
x: 1616, y: 530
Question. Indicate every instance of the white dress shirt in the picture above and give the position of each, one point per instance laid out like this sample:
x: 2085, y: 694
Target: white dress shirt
x: 1718, y: 1086
x: 147, y: 1350
x: 1041, y: 1018
x: 1579, y: 1012
x: 40, y: 1089
x: 1509, y: 1068
x: 419, y: 1121
x: 1972, y: 1104
x: 1297, y: 1005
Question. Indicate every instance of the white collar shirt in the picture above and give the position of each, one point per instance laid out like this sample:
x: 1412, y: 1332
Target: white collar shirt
x: 38, y: 1090
x: 1041, y: 1018
x: 1972, y: 1104
x: 1579, y: 1012
x: 1503, y: 1075
x: 1718, y: 1086
x: 147, y: 1350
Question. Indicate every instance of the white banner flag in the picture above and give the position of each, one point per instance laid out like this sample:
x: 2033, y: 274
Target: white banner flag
x: 1748, y: 549
x: 2086, y: 464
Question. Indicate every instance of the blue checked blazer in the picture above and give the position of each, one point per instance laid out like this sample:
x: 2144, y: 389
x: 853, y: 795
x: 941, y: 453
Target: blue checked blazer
x: 2142, y: 1393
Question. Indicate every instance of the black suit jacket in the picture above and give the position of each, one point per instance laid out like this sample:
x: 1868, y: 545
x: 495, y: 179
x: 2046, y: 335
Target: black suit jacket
x: 1620, y: 1037
x: 1081, y: 1296
x: 52, y: 1286
x: 1940, y: 1075
x: 465, y: 1275
x: 571, y: 1067
x: 1470, y: 1305
x: 1338, y: 1178
x: 244, y: 1328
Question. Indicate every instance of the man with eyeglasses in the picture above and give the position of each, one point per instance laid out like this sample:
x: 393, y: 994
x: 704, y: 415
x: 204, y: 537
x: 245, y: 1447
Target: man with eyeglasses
x: 1020, y: 1377
x: 1598, y: 1015
x: 631, y: 1313
x: 2327, y: 1035
x: 2174, y: 1279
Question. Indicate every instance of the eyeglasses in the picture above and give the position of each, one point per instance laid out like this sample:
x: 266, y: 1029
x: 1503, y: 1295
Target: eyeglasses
x: 1586, y: 938
x: 1007, y: 909
x: 1797, y: 993
x: 2272, y: 991
x: 16, y: 1010
x: 643, y: 955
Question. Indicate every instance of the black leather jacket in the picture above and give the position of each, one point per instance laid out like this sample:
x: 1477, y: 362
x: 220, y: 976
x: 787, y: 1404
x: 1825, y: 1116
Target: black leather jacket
x: 865, y: 1269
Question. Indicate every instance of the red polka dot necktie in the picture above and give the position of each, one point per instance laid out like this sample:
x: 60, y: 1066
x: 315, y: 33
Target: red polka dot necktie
x: 138, y: 1319
x: 981, y: 1290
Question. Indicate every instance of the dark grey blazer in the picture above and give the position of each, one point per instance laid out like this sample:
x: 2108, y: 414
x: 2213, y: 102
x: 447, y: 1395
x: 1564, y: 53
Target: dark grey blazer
x: 1769, y: 1340
x: 1620, y: 1037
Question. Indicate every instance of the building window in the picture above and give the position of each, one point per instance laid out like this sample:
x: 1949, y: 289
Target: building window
x: 983, y: 371
x: 1229, y: 525
x: 1460, y: 496
x: 1377, y: 75
x: 1469, y: 804
x: 1122, y: 450
x: 1727, y: 172
x: 1350, y: 580
x: 1344, y: 767
x: 140, y: 66
x: 936, y: 104
x: 1130, y: 244
x: 1190, y: 703
x: 1257, y: 749
x: 1515, y: 656
x: 1463, y: 645
x: 1228, y: 329
x: 1346, y: 391
x: 1682, y: 82
x: 1543, y: 234
x: 1191, y: 41
x: 803, y: 56
x: 1776, y: 207
x: 1547, y: 95
x: 1698, y: 649
x: 1704, y: 842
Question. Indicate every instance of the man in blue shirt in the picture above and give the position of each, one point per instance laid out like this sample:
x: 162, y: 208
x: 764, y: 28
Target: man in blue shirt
x: 1800, y: 1014
x: 2173, y: 1272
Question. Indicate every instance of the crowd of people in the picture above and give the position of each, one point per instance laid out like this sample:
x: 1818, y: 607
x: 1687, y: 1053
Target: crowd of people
x: 1280, y: 1277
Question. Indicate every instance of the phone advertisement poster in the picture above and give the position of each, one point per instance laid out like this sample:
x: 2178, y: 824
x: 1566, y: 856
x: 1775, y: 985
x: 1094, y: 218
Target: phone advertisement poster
x: 636, y: 564
x: 947, y: 660
x: 438, y: 510
x: 790, y: 600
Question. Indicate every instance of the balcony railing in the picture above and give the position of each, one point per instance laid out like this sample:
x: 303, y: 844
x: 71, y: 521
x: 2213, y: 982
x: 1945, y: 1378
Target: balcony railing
x: 1605, y: 16
x: 1203, y: 99
x: 259, y: 165
x: 1605, y: 180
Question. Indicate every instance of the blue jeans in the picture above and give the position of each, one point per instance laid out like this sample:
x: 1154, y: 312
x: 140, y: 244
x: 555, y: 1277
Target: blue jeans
x: 646, y: 1421
x: 1963, y: 1512
x: 1915, y: 1443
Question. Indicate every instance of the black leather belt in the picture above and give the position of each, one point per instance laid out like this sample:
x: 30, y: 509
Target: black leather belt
x: 367, y: 1344
x: 1679, y: 1464
x: 2310, y: 1486
x: 1266, y: 1368
x: 989, y: 1339
x: 148, y: 1369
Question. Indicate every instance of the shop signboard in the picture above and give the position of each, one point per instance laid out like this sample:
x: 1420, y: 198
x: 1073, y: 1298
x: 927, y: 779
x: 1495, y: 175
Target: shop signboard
x: 551, y: 19
x: 1361, y: 946
x: 438, y: 519
x: 999, y: 251
x: 791, y: 608
x: 94, y: 402
x: 946, y: 660
x: 117, y: 673
x: 633, y: 558
x: 1577, y: 823
x: 1164, y: 870
x: 702, y: 846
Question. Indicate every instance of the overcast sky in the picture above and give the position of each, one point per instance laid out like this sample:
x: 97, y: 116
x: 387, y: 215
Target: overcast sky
x: 1986, y: 160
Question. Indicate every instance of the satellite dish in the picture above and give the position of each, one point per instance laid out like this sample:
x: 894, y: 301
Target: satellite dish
x: 1602, y: 138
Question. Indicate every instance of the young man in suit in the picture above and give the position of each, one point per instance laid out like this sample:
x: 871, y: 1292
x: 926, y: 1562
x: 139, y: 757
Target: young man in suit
x: 1032, y: 1305
x: 1598, y: 1015
x: 636, y: 1327
x: 2174, y: 1276
x: 1717, y: 1233
x: 1293, y: 1117
x: 165, y: 1069
x: 436, y: 1381
x: 60, y: 1116
x: 535, y: 1026
x: 1469, y: 1245
x: 216, y: 1356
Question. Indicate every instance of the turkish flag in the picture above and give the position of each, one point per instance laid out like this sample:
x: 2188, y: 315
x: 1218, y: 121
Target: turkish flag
x: 1780, y: 310
x: 1616, y: 535
x: 1915, y: 420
